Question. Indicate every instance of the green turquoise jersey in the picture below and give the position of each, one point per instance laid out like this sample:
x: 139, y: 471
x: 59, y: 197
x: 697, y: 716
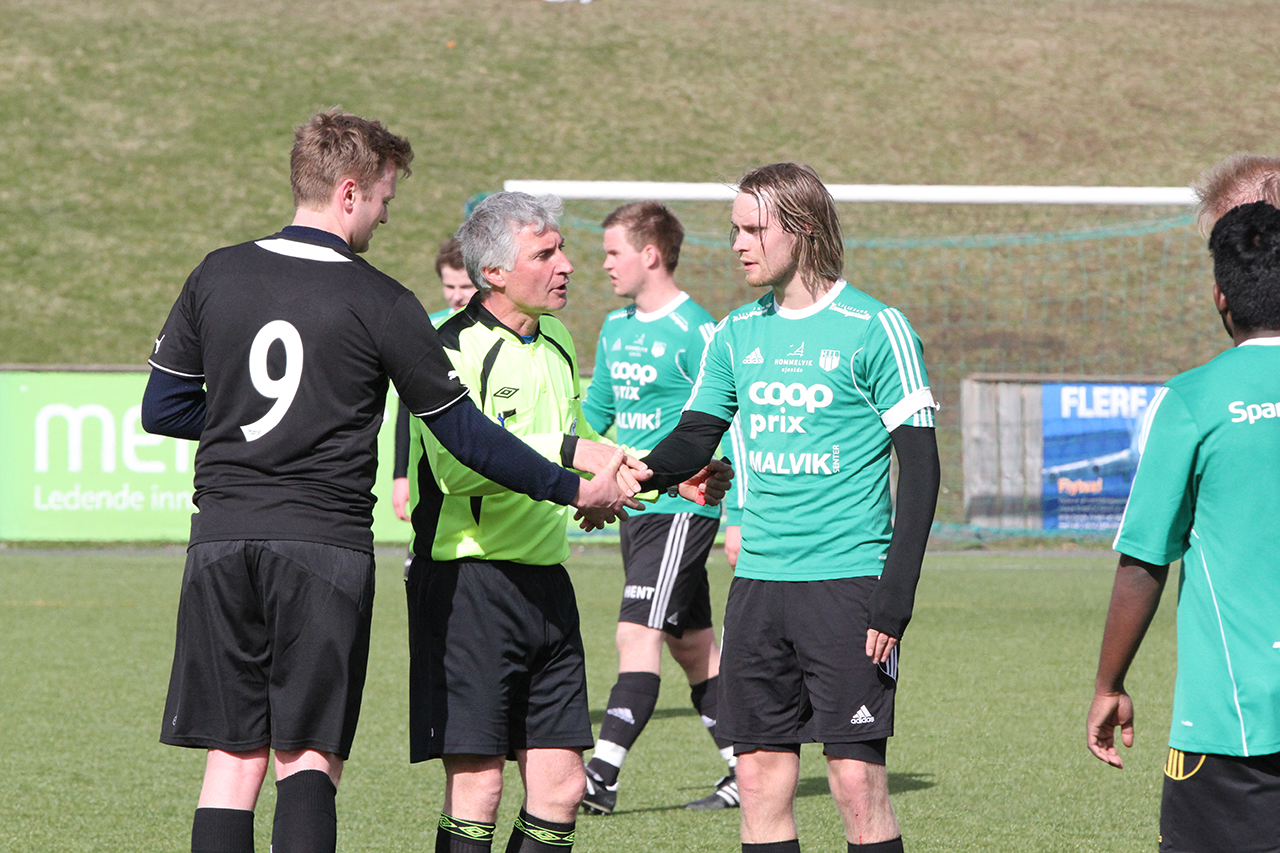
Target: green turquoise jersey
x: 531, y: 389
x: 439, y: 317
x: 818, y: 391
x: 645, y: 367
x: 732, y: 447
x: 1207, y: 491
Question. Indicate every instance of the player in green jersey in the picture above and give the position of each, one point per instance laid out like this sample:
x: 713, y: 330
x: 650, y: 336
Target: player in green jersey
x: 646, y: 360
x: 826, y: 380
x: 1205, y: 493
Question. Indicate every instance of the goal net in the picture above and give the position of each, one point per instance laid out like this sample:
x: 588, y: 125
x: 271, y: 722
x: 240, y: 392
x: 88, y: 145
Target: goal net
x: 1011, y: 295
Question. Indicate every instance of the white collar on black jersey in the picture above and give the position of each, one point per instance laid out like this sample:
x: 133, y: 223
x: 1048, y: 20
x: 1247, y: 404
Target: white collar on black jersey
x: 306, y: 251
x: 664, y: 310
x: 1271, y: 341
x: 820, y: 305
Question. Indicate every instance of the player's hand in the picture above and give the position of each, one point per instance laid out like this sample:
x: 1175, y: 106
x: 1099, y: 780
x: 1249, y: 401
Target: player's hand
x: 400, y: 497
x: 601, y: 499
x: 879, y: 645
x: 594, y: 457
x: 1108, y: 711
x: 732, y: 544
x: 708, y: 486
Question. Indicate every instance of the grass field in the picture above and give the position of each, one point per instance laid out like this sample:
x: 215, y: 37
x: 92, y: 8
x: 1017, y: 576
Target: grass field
x: 996, y: 678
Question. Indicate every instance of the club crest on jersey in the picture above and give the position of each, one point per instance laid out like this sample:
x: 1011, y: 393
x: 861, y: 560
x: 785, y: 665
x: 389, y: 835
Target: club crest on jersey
x: 505, y: 393
x: 829, y: 359
x: 754, y: 357
x: 658, y: 349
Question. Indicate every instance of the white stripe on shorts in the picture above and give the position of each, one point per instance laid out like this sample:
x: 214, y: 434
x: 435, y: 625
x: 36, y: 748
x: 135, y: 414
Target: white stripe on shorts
x: 670, y: 568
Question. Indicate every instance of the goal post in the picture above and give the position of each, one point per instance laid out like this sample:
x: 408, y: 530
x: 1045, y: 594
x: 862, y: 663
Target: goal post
x: 1067, y: 287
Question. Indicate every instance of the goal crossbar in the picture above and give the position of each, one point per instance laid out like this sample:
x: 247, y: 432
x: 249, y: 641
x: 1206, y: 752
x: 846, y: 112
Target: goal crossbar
x: 903, y: 193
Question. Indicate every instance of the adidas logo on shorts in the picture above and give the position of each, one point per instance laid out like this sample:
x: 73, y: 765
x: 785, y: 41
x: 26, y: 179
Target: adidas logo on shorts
x: 862, y: 717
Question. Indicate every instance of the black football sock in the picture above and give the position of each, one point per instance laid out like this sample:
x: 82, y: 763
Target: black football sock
x: 535, y: 835
x: 706, y: 701
x: 792, y: 846
x: 222, y: 831
x: 631, y: 704
x: 306, y: 816
x: 893, y: 845
x: 455, y: 835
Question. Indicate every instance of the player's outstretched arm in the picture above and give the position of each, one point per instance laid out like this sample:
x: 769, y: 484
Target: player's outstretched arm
x: 491, y: 451
x: 685, y: 452
x: 892, y: 602
x: 173, y: 405
x: 1134, y: 599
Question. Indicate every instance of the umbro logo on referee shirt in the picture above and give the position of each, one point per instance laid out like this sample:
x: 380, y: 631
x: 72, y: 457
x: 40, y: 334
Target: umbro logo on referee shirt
x: 505, y: 393
x: 862, y: 717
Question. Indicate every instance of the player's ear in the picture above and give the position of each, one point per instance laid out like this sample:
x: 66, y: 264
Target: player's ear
x: 346, y: 193
x: 496, y: 276
x: 652, y: 257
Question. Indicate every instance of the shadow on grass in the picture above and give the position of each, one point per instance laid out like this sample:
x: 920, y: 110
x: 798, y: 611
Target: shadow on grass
x: 817, y: 786
x: 597, y: 717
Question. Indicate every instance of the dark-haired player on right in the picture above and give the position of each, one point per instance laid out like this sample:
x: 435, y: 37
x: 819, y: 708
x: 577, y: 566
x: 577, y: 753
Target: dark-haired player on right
x: 1207, y: 493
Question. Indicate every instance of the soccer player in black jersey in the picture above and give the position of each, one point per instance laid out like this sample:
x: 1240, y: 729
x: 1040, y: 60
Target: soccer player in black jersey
x: 276, y: 356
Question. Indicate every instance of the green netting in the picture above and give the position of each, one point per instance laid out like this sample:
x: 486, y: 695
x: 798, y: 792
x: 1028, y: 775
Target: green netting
x: 1017, y: 289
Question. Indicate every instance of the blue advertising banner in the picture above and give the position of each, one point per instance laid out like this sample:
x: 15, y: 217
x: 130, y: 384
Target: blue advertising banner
x: 1090, y: 452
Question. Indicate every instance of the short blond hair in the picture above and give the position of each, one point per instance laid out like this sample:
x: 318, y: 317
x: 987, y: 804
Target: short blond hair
x: 1239, y: 179
x: 335, y: 145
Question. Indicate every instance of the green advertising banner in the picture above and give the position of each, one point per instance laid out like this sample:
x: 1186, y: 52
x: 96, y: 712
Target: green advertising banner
x: 76, y: 465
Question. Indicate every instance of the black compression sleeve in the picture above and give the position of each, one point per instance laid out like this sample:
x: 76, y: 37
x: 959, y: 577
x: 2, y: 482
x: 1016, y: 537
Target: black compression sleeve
x: 401, y: 468
x: 492, y: 452
x: 173, y: 405
x: 918, y: 477
x: 686, y: 451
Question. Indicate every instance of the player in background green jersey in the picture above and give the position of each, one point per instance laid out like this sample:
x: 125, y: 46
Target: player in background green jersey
x: 646, y: 360
x: 826, y: 380
x: 1206, y: 493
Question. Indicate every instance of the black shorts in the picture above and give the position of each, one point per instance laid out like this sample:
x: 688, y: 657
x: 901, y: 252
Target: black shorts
x: 794, y: 667
x: 665, y: 559
x: 272, y: 647
x: 1220, y: 802
x: 495, y: 660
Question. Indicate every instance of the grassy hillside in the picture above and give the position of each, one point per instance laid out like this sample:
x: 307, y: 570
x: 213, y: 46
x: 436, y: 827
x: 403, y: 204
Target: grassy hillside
x: 141, y: 134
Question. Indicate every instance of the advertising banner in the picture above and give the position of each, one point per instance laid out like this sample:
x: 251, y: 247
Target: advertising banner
x: 1090, y: 452
x: 76, y: 465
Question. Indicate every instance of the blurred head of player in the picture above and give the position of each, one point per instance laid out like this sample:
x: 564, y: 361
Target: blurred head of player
x: 1245, y: 245
x: 641, y: 243
x: 512, y: 248
x: 454, y: 281
x: 346, y: 166
x: 1239, y: 179
x: 785, y: 227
